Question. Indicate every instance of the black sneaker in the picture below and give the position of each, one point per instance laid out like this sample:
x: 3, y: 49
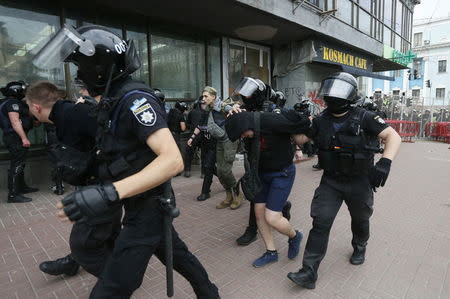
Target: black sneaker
x: 304, y: 278
x: 248, y: 237
x: 203, y: 196
x: 359, y: 255
x: 66, y: 265
x: 18, y: 199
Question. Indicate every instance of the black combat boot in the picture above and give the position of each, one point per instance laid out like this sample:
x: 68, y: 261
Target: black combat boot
x: 66, y: 265
x: 304, y: 277
x: 187, y: 173
x: 14, y: 195
x: 359, y: 255
x: 203, y: 196
x: 287, y: 210
x: 248, y: 237
x: 24, y: 188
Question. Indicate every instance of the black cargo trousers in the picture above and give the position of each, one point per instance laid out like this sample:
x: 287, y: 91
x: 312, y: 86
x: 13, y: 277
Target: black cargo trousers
x: 357, y: 194
x: 140, y: 237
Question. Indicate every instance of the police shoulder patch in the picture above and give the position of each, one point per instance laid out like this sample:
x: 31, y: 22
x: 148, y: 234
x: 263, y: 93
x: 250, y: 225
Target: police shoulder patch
x: 379, y: 119
x: 143, y: 112
x: 15, y: 107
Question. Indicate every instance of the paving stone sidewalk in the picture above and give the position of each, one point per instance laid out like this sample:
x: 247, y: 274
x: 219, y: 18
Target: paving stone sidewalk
x: 408, y: 253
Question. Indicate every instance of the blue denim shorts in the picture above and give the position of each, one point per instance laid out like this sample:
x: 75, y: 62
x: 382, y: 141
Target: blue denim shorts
x: 276, y: 187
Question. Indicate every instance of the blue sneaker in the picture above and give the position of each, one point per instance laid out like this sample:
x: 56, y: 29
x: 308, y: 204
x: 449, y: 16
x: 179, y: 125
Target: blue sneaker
x: 266, y: 258
x: 294, y: 245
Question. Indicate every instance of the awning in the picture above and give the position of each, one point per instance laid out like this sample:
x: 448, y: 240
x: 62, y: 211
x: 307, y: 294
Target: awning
x: 359, y: 72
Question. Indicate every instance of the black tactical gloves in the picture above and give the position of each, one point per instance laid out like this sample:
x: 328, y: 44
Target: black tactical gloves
x: 91, y: 202
x: 379, y: 173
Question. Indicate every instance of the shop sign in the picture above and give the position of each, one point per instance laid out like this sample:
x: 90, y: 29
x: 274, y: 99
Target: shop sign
x: 397, y: 56
x: 329, y: 53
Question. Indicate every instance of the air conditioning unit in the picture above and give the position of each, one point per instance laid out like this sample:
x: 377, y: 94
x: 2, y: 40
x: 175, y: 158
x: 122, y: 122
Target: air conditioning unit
x: 426, y: 42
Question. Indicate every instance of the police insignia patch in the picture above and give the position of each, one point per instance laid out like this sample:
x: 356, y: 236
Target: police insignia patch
x: 379, y: 120
x: 144, y: 114
x: 15, y: 107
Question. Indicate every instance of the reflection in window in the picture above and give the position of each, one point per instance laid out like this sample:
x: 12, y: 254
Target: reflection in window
x: 386, y: 36
x: 22, y: 34
x: 139, y: 38
x: 387, y: 12
x: 417, y: 65
x: 345, y: 11
x: 365, y: 4
x: 252, y: 63
x: 398, y: 17
x: 236, y: 67
x: 214, y: 65
x: 178, y: 65
x: 364, y: 22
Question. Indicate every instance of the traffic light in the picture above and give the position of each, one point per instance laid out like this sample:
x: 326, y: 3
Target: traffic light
x: 409, y: 74
x: 416, y: 74
x: 408, y: 102
x: 428, y: 83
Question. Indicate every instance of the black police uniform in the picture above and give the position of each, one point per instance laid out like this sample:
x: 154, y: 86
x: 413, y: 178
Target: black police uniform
x: 193, y: 120
x: 139, y: 115
x: 13, y: 142
x: 174, y: 119
x: 346, y: 155
x: 90, y: 242
x: 208, y: 157
x: 50, y: 141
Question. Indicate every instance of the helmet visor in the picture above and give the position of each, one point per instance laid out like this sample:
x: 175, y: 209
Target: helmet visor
x: 60, y: 46
x: 246, y: 87
x: 336, y: 89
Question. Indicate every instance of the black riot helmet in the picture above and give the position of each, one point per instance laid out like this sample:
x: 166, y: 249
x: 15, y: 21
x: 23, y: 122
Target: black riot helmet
x: 99, y: 53
x: 14, y: 89
x: 182, y: 106
x: 339, y: 91
x: 253, y: 93
x: 279, y: 99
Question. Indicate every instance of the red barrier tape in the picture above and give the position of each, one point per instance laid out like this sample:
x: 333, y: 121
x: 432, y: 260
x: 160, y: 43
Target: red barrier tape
x: 406, y: 129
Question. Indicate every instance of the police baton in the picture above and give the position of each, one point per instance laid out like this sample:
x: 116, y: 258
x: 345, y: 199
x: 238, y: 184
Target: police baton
x: 168, y: 205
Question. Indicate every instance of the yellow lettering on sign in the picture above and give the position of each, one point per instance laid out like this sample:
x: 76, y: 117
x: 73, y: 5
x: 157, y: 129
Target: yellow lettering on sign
x: 343, y: 58
x: 325, y: 53
x: 340, y: 58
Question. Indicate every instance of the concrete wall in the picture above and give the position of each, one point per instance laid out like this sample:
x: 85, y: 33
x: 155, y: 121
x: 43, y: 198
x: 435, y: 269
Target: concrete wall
x: 332, y: 27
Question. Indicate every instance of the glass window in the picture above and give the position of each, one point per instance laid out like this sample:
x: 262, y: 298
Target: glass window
x: 364, y: 22
x: 417, y: 65
x: 139, y: 37
x: 214, y: 65
x: 397, y: 73
x: 398, y: 42
x: 387, y: 19
x: 387, y: 36
x: 252, y: 63
x: 416, y: 93
x: 442, y: 66
x: 440, y: 93
x: 178, y: 65
x: 366, y: 4
x: 398, y: 17
x: 417, y: 39
x: 236, y: 68
x: 22, y: 34
x: 318, y: 3
x: 345, y: 11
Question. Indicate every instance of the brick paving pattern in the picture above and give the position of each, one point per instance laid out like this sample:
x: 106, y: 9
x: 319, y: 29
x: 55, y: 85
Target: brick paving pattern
x: 408, y: 254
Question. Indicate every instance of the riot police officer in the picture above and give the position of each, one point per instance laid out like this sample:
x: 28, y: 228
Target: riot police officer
x: 345, y: 137
x: 136, y: 154
x: 176, y: 122
x: 16, y: 121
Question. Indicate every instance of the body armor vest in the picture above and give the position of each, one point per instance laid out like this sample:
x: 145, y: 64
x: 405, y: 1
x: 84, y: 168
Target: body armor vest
x: 118, y: 157
x: 347, y: 151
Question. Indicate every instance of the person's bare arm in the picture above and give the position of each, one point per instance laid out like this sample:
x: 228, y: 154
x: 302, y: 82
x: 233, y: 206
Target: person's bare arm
x: 392, y: 141
x: 183, y: 126
x: 14, y: 117
x: 300, y: 138
x: 166, y: 165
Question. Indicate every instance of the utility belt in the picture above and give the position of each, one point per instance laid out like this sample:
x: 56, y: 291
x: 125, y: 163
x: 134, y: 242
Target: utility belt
x: 144, y: 201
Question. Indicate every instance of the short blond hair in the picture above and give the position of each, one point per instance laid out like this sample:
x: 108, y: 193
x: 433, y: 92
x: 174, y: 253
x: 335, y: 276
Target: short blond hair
x: 210, y: 90
x: 44, y: 93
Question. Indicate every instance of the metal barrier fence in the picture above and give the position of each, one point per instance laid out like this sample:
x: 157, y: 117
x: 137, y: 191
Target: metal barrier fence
x: 406, y: 129
x: 438, y: 131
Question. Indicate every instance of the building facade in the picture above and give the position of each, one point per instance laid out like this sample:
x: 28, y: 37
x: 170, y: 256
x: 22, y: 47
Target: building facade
x: 185, y: 45
x: 426, y: 84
